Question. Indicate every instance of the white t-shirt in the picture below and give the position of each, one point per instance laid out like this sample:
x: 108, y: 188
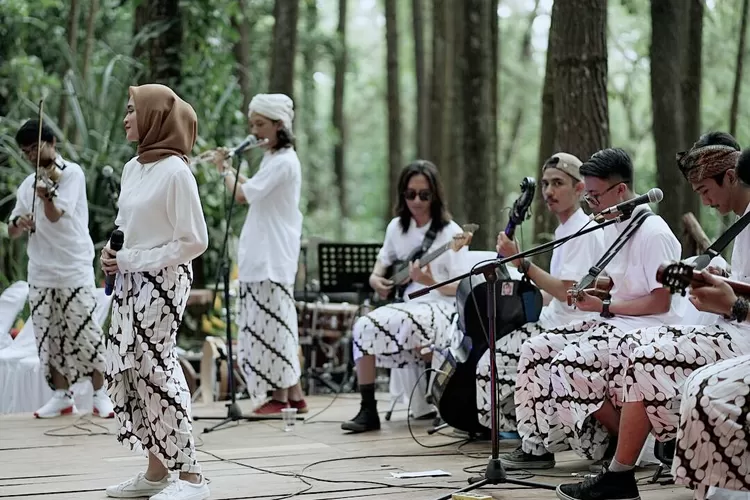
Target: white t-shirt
x: 161, y: 216
x: 270, y: 240
x: 399, y: 246
x: 60, y: 253
x: 633, y: 269
x: 740, y: 272
x: 571, y: 261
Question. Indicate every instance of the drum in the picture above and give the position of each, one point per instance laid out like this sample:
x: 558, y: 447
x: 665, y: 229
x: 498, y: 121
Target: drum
x: 324, y: 333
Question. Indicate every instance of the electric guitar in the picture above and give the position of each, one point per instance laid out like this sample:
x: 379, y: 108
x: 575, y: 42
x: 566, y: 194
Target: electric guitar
x: 398, y: 272
x: 678, y: 276
x: 601, y: 289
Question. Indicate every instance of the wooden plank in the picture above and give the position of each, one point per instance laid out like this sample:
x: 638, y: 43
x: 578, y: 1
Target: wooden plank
x: 258, y: 460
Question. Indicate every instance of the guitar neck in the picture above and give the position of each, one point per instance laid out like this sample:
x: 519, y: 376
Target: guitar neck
x: 403, y: 273
x: 739, y: 288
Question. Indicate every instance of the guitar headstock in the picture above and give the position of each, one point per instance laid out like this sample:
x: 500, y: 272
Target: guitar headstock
x: 676, y: 276
x: 464, y: 239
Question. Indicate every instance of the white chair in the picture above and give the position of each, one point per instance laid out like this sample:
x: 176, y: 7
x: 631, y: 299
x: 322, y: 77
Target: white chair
x: 23, y: 387
x: 12, y: 301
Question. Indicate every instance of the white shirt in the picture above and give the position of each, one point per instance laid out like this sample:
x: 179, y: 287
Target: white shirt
x: 270, y: 239
x: 161, y: 216
x: 633, y: 269
x: 571, y: 261
x: 60, y: 253
x: 399, y: 246
x: 740, y: 272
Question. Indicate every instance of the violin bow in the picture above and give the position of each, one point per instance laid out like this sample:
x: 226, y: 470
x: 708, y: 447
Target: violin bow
x: 38, y: 158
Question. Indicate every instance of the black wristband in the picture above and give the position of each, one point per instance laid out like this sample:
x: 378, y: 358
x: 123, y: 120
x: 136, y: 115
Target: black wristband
x: 605, y: 309
x: 740, y: 310
x: 525, y: 265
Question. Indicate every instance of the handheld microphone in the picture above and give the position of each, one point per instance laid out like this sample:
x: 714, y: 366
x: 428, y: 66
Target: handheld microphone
x: 654, y: 195
x: 116, y: 241
x: 250, y: 142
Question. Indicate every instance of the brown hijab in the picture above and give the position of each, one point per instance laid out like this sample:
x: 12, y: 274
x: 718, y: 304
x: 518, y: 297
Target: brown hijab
x: 167, y: 125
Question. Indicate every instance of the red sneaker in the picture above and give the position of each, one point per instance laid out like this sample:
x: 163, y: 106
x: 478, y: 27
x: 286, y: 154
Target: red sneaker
x: 271, y: 407
x: 300, y: 405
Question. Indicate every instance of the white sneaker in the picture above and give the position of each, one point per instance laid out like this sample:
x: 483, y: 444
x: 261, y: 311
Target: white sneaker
x: 61, y: 403
x: 103, y: 405
x: 137, y: 487
x: 183, y: 490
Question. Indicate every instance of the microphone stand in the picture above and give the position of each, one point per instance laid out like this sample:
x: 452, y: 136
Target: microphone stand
x: 495, y: 472
x: 234, y: 412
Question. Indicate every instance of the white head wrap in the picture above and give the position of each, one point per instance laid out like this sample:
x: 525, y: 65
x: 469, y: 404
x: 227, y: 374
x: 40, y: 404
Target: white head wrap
x: 275, y: 107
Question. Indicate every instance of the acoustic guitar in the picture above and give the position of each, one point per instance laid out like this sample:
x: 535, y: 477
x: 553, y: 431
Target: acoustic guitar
x: 454, y: 388
x: 601, y: 289
x: 679, y: 276
x: 398, y: 272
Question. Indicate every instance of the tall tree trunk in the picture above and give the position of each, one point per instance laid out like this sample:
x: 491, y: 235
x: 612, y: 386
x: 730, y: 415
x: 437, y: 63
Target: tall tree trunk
x: 73, y: 15
x: 498, y: 191
x: 515, y: 123
x: 457, y: 156
x: 285, y: 14
x: 441, y: 92
x: 691, y: 98
x: 242, y: 50
x: 544, y: 220
x: 478, y: 136
x: 162, y: 52
x: 668, y: 19
x: 580, y: 76
x: 394, y: 104
x: 317, y: 197
x: 89, y: 45
x: 422, y: 123
x: 339, y: 124
x: 735, y: 109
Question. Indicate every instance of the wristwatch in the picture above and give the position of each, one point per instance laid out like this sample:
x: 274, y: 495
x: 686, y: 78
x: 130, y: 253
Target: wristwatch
x: 605, y: 309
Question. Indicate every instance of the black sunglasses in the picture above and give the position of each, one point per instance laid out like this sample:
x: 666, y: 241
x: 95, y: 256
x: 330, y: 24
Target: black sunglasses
x: 424, y: 194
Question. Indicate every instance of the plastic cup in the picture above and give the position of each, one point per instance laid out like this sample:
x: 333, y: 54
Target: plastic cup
x: 290, y: 416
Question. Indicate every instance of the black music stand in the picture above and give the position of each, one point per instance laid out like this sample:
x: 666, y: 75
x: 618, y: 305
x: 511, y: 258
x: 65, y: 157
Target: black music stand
x: 344, y: 269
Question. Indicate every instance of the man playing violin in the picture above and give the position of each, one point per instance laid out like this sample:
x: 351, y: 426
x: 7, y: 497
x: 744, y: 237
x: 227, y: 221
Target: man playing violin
x: 60, y: 272
x: 551, y: 417
x: 562, y: 188
x: 648, y: 367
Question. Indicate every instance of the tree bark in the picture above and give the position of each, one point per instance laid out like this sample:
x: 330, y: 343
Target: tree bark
x: 162, y: 52
x: 394, y: 103
x: 457, y: 157
x: 285, y: 14
x: 441, y: 93
x: 495, y: 168
x: 667, y: 25
x: 308, y: 114
x: 691, y: 93
x: 242, y: 50
x: 478, y: 135
x: 90, y: 25
x: 339, y: 124
x: 735, y: 109
x: 74, y: 14
x: 422, y: 123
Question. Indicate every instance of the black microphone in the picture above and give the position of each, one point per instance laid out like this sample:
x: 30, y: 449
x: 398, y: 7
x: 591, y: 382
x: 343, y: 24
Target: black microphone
x: 250, y: 142
x: 116, y: 241
x: 654, y: 195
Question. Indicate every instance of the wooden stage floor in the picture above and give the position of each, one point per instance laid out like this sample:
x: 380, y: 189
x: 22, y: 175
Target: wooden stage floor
x: 69, y: 464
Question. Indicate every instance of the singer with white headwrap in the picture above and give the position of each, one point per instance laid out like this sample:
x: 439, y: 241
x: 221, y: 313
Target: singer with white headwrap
x: 268, y: 254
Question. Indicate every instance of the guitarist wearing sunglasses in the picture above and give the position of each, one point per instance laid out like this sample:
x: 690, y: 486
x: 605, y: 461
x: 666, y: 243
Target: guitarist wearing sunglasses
x: 392, y: 336
x: 562, y: 188
x: 649, y: 366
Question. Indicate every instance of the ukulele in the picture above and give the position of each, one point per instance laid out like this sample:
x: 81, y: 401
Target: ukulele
x: 398, y: 272
x: 602, y: 287
x: 678, y: 276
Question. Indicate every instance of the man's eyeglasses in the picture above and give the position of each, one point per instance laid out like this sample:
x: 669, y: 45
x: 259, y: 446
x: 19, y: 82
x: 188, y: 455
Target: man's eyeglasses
x: 424, y: 194
x: 593, y: 199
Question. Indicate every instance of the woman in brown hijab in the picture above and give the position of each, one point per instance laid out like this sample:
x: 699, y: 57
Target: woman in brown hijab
x: 161, y: 217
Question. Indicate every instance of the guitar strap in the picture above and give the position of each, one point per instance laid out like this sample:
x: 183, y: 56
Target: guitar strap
x: 721, y: 242
x: 623, y: 238
x: 429, y: 239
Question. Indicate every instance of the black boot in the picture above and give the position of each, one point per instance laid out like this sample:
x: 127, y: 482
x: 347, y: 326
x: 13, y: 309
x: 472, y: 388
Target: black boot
x: 366, y: 420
